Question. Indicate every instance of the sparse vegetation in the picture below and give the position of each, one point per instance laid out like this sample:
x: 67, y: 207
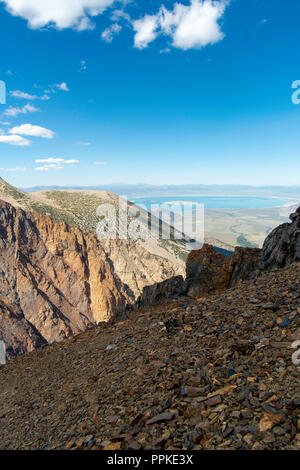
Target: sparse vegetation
x: 242, y: 241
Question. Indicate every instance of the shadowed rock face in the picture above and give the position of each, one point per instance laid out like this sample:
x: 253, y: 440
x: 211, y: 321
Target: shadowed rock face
x: 244, y: 264
x: 282, y: 246
x: 55, y: 281
x: 162, y: 291
x: 209, y: 272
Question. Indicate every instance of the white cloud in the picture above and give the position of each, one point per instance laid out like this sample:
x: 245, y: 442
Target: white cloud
x: 33, y: 131
x: 101, y: 163
x: 15, y: 111
x: 57, y: 160
x: 84, y: 144
x: 42, y: 168
x: 59, y: 13
x: 18, y: 168
x: 189, y: 26
x: 109, y: 34
x: 146, y: 30
x: 62, y: 86
x: 14, y: 140
x: 54, y: 163
x: 82, y: 66
x: 52, y: 166
x: 23, y: 95
x: 27, y: 96
x: 120, y: 14
x: 166, y: 50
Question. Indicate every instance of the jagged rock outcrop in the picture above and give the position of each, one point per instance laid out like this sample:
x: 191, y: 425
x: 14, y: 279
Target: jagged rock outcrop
x: 17, y: 333
x: 55, y: 281
x: 209, y: 272
x: 162, y: 291
x: 244, y: 264
x: 282, y: 246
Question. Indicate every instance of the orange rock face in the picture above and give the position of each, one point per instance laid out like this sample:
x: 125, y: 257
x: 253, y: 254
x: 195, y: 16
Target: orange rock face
x: 55, y: 281
x: 209, y: 272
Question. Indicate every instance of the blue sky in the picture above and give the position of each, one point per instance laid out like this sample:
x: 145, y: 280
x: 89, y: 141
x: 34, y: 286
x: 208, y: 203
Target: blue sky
x: 149, y: 92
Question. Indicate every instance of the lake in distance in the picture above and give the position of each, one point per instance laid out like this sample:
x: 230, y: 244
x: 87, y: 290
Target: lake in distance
x: 212, y: 202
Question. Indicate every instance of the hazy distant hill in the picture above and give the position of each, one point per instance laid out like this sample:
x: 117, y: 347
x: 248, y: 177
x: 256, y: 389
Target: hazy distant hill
x: 136, y: 190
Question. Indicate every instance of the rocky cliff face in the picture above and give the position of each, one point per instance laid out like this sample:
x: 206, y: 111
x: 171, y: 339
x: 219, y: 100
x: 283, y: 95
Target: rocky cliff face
x: 55, y: 281
x: 138, y: 263
x: 162, y: 291
x: 209, y: 272
x: 282, y: 246
x: 137, y: 267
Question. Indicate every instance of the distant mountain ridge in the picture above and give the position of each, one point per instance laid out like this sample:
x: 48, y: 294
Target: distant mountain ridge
x: 190, y: 189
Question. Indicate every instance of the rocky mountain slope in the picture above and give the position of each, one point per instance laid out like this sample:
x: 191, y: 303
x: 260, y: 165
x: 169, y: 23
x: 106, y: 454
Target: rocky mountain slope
x: 79, y: 208
x: 213, y: 373
x: 137, y: 263
x: 55, y: 281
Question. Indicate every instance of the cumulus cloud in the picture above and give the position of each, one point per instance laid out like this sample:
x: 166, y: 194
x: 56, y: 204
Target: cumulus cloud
x: 146, y: 30
x: 23, y: 95
x: 58, y: 13
x: 15, y: 111
x: 62, y: 86
x: 27, y: 96
x: 54, y: 164
x: 109, y: 33
x: 189, y: 26
x: 33, y: 131
x: 14, y: 140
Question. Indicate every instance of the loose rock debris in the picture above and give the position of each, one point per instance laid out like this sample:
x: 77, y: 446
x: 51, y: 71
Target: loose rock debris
x: 223, y: 379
